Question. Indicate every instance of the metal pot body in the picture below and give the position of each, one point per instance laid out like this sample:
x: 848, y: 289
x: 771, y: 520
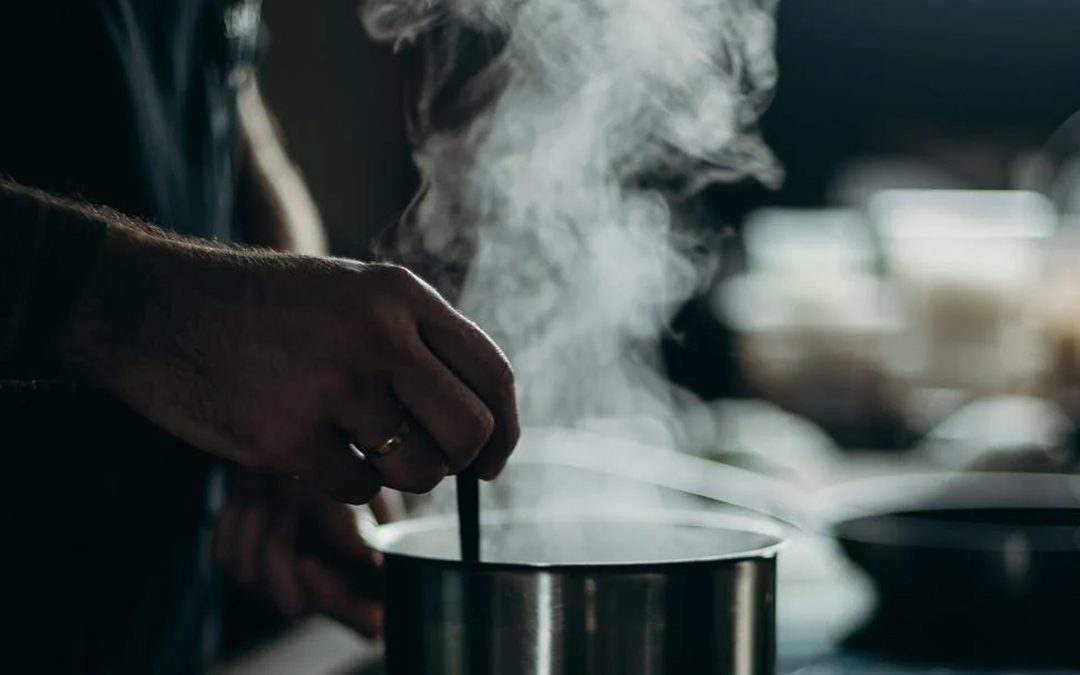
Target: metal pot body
x: 706, y: 618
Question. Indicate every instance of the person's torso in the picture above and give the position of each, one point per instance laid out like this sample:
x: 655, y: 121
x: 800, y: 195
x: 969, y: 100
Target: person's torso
x: 127, y: 103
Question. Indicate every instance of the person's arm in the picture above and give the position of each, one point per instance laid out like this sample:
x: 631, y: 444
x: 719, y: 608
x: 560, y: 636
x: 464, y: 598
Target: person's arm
x: 46, y: 251
x: 279, y: 362
x: 274, y: 206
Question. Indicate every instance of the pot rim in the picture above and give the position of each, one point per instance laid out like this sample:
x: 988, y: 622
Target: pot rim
x: 383, y: 538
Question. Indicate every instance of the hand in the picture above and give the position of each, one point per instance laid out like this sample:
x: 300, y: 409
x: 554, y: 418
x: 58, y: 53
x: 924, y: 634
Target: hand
x: 301, y: 550
x: 290, y: 364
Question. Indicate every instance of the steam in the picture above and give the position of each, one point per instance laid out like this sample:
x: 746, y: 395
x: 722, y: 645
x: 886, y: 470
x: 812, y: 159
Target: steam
x: 556, y: 191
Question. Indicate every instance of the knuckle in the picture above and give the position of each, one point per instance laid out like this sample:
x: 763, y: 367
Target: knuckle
x: 423, y: 478
x: 513, y: 435
x: 396, y: 351
x: 392, y: 277
x: 475, y: 433
x: 504, y: 380
x: 391, y: 338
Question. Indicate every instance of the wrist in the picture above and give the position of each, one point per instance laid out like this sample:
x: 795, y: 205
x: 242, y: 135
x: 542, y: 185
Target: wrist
x: 136, y: 306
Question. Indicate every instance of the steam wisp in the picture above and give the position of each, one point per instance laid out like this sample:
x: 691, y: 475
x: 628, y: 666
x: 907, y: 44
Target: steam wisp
x: 556, y: 193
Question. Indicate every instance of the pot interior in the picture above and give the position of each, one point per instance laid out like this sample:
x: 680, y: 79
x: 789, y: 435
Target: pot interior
x: 531, y: 540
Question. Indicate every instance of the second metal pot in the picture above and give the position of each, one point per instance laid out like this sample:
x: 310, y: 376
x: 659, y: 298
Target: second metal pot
x: 658, y: 594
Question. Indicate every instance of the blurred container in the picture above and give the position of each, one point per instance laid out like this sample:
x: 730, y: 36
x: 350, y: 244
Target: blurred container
x: 1057, y: 167
x: 967, y: 267
x: 814, y: 320
x: 799, y: 241
x: 1059, y: 306
x: 999, y: 433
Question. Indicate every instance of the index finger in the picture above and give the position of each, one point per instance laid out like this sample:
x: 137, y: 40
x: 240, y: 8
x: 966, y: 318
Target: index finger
x: 477, y: 360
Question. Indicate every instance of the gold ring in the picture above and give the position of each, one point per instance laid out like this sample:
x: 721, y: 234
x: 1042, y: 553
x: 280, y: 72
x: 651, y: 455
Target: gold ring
x: 390, y: 444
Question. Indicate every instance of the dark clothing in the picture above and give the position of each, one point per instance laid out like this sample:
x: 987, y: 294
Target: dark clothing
x: 44, y: 258
x: 129, y: 104
x: 107, y: 527
x: 126, y: 103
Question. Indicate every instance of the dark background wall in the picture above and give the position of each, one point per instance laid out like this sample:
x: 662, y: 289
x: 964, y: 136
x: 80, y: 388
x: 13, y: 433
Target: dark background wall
x: 858, y: 78
x: 909, y: 77
x: 338, y: 97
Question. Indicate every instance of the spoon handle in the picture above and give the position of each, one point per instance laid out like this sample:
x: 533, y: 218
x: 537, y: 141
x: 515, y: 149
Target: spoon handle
x: 468, y: 504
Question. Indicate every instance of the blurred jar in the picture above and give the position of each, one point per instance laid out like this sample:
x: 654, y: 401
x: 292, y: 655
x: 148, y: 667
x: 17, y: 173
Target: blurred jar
x: 1059, y: 306
x: 813, y: 321
x: 967, y: 267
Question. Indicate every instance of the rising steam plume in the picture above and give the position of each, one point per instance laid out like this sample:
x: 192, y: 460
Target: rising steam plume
x: 555, y: 189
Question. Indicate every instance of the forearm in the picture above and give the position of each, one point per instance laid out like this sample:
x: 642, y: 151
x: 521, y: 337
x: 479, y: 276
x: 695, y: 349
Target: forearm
x: 144, y: 295
x: 79, y: 281
x: 47, y: 247
x: 275, y: 207
x: 279, y: 362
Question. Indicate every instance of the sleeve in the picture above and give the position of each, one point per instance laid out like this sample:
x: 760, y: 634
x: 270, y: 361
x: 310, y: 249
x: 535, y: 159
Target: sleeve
x: 46, y: 252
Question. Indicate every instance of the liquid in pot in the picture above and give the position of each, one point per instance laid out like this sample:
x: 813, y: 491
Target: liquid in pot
x: 586, y: 543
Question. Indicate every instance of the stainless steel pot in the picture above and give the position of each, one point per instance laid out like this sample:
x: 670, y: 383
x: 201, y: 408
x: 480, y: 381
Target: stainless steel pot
x: 649, y: 594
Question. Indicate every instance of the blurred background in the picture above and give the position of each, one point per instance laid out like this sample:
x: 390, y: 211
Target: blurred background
x: 339, y: 98
x: 907, y: 300
x: 969, y: 96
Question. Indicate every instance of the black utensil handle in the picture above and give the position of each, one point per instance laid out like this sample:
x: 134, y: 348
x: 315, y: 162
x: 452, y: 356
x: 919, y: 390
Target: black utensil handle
x: 468, y: 504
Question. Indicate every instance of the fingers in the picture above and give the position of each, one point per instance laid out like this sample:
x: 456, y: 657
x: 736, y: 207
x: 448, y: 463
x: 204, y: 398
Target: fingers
x: 340, y: 472
x: 417, y: 465
x: 266, y: 534
x: 338, y: 526
x: 241, y: 527
x: 388, y: 506
x: 225, y: 535
x: 449, y: 411
x: 334, y: 540
x: 282, y: 574
x: 330, y: 593
x: 371, y: 418
x: 254, y: 524
x: 477, y: 361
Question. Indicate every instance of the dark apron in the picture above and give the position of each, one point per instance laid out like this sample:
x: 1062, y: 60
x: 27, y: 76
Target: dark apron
x: 106, y: 520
